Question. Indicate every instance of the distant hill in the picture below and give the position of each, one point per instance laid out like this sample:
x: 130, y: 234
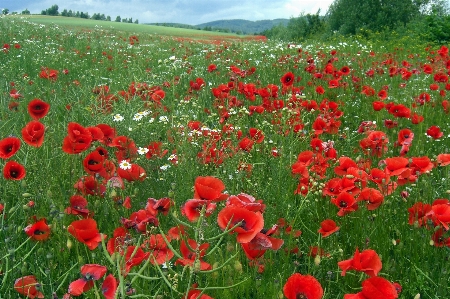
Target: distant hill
x: 236, y: 26
x: 244, y: 26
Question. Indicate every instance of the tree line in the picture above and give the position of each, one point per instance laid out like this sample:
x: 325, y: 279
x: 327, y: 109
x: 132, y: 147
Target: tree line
x: 54, y: 11
x: 429, y: 19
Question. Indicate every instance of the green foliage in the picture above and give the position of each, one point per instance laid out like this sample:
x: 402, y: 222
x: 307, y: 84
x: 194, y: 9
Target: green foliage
x: 5, y: 11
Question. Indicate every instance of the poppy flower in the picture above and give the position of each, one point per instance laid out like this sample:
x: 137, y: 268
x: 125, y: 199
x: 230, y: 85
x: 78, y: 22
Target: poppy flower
x: 158, y: 249
x: 78, y: 139
x: 133, y: 173
x: 212, y: 68
x: 328, y: 227
x: 246, y: 201
x: 375, y: 288
x: 191, y: 258
x: 38, y: 108
x: 367, y: 261
x: 33, y: 133
x: 419, y: 213
x: 9, y: 147
x: 302, y: 286
x: 90, y: 185
x: 434, y: 132
x: 118, y: 240
x: 14, y: 171
x: 261, y: 243
x: 208, y: 188
x: 345, y: 202
x: 192, y: 208
x: 89, y: 273
x: 287, y: 79
x: 93, y: 162
x: 38, y: 231
x: 109, y: 133
x: 373, y: 197
x: 50, y: 74
x: 161, y: 205
x: 109, y: 287
x: 134, y: 257
x: 443, y: 159
x: 28, y: 286
x: 78, y: 206
x: 251, y: 223
x: 246, y: 144
x: 139, y: 220
x: 86, y: 232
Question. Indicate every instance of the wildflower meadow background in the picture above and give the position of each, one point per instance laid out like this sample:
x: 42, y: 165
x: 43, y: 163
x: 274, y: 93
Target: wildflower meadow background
x: 138, y: 165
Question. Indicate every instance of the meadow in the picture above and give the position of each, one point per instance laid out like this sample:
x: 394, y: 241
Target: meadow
x: 143, y: 165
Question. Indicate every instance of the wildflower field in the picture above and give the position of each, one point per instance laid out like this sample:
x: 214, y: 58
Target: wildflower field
x: 137, y: 165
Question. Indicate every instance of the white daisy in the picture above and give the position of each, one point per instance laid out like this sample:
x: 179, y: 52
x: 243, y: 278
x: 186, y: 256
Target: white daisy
x: 125, y: 165
x: 142, y: 150
x: 118, y: 117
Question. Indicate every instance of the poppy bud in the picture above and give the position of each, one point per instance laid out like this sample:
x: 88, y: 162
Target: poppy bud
x: 24, y: 269
x: 417, y: 296
x: 170, y: 193
x: 27, y: 195
x: 238, y: 266
x: 317, y: 260
x: 69, y: 244
x: 25, y: 207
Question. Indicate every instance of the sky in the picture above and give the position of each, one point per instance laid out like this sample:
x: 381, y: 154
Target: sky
x: 192, y: 12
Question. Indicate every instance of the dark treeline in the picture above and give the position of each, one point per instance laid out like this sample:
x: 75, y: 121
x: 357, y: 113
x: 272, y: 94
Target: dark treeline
x: 427, y: 19
x: 53, y: 11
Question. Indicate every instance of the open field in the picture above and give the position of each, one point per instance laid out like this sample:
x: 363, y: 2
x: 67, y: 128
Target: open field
x: 159, y: 164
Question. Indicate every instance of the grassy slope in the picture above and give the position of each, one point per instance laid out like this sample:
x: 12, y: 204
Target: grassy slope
x: 129, y: 27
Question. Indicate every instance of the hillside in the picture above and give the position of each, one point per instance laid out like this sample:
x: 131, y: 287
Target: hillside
x: 244, y: 26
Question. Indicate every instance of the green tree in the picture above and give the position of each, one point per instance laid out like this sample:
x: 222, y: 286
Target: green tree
x: 5, y: 11
x: 349, y: 16
x: 26, y: 12
x: 118, y: 19
x: 53, y: 10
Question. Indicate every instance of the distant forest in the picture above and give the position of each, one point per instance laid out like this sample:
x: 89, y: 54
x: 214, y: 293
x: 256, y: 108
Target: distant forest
x: 427, y: 20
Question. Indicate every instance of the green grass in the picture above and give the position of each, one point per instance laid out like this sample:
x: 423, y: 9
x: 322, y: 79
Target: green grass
x: 71, y: 22
x: 89, y: 60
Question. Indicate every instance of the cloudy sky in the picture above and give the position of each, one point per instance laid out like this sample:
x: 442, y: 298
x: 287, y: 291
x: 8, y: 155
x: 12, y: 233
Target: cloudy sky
x: 190, y: 12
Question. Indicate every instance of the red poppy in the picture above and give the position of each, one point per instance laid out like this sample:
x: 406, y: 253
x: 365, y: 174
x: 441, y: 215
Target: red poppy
x: 86, y: 232
x: 38, y: 231
x: 9, y: 146
x: 246, y: 201
x: 261, y: 243
x: 192, y: 258
x: 117, y: 242
x: 345, y: 202
x: 50, y: 74
x: 139, y: 220
x: 192, y: 208
x: 78, y: 206
x: 78, y: 139
x: 157, y: 246
x: 251, y: 223
x: 443, y: 159
x: 208, y: 188
x: 89, y: 273
x: 28, y: 286
x: 109, y: 133
x: 33, y: 133
x: 375, y: 288
x: 367, y: 261
x: 13, y: 171
x: 89, y: 185
x: 375, y: 143
x: 161, y: 205
x: 94, y: 162
x: 38, y: 108
x: 134, y: 257
x: 328, y: 227
x: 421, y: 164
x: 109, y: 287
x: 440, y: 214
x: 212, y: 68
x: 134, y: 173
x: 302, y: 286
x: 434, y: 132
x: 287, y: 79
x: 373, y: 197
